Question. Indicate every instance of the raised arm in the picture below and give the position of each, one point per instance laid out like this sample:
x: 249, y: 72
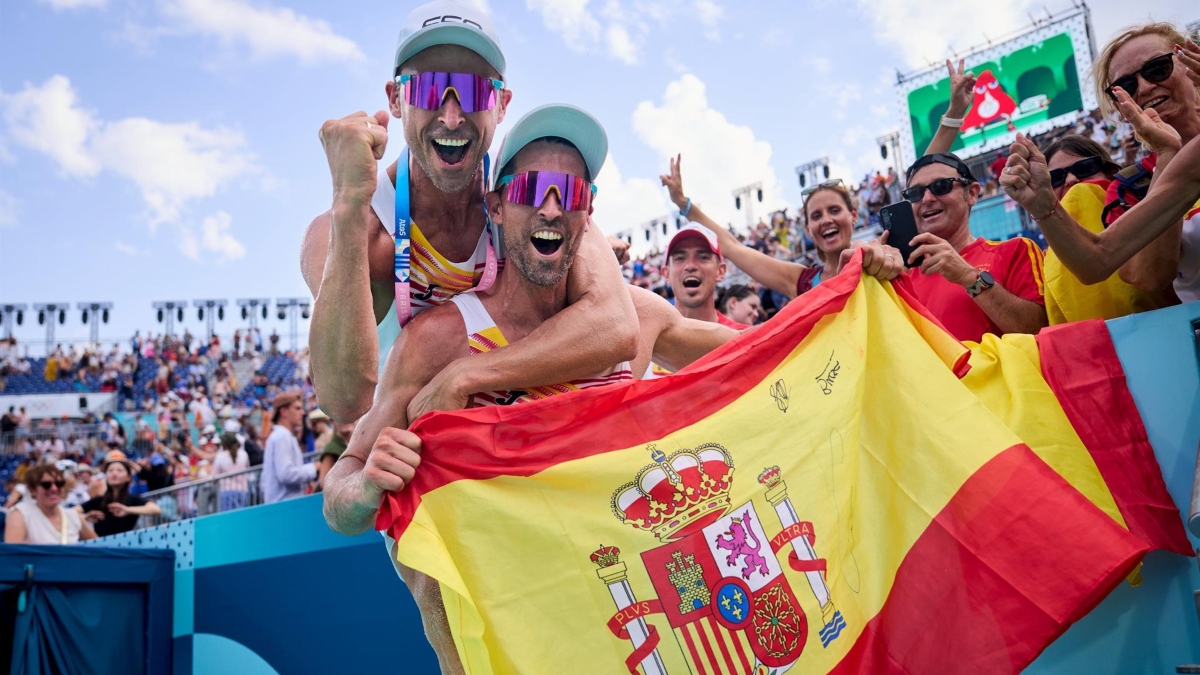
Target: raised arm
x: 962, y: 85
x: 597, y: 329
x: 382, y: 454
x: 677, y: 341
x: 780, y: 276
x: 335, y: 261
x: 1095, y: 257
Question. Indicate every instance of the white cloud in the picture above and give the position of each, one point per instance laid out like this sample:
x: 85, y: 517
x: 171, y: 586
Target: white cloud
x: 622, y: 203
x: 620, y: 44
x: 216, y: 238
x: 8, y: 210
x: 171, y: 164
x: 127, y: 249
x: 620, y: 28
x: 718, y: 155
x: 926, y: 32
x: 48, y: 119
x: 267, y: 31
x: 710, y: 14
x: 60, y: 5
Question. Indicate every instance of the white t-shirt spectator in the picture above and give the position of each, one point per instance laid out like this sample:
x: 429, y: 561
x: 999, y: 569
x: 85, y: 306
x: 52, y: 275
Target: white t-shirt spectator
x: 284, y: 473
x: 223, y: 463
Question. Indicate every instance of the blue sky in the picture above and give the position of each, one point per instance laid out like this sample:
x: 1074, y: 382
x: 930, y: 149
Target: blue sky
x: 167, y: 149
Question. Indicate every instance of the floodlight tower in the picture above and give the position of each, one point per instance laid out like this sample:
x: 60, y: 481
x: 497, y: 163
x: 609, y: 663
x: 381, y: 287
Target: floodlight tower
x: 811, y: 172
x: 742, y: 196
x: 890, y: 144
x: 46, y: 314
x: 9, y: 312
x: 293, y: 309
x: 250, y: 309
x: 169, y: 311
x: 94, y: 313
x: 216, y: 311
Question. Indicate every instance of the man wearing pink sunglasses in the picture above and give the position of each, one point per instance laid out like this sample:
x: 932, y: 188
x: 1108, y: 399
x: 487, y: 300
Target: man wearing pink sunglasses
x: 543, y: 197
x: 411, y: 236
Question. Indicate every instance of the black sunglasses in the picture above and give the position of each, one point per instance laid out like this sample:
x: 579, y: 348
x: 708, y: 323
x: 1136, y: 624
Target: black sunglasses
x: 60, y: 483
x: 1153, y: 71
x: 940, y: 188
x: 1082, y: 169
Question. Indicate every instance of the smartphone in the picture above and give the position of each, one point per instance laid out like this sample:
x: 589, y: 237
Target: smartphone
x: 901, y: 226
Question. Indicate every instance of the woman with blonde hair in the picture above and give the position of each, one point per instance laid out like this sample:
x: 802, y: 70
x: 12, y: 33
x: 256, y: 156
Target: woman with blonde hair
x: 1151, y: 74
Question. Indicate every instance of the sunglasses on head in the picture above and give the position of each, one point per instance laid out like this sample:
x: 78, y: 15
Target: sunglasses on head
x: 427, y: 91
x: 1153, y: 71
x: 533, y: 187
x: 47, y: 484
x: 834, y: 182
x: 1082, y: 169
x: 940, y: 188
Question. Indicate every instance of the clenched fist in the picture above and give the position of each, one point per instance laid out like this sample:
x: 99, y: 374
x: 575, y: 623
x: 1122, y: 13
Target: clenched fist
x: 353, y: 146
x: 392, y: 463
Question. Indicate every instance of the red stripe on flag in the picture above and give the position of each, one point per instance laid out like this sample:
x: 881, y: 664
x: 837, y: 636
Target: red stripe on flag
x: 903, y: 287
x: 1013, y: 559
x: 738, y: 638
x: 1081, y: 366
x: 691, y: 645
x: 717, y: 633
x: 525, y: 439
x: 708, y: 650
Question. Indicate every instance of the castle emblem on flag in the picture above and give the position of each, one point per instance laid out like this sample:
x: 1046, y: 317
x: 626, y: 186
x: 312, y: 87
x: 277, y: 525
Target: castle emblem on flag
x: 716, y: 575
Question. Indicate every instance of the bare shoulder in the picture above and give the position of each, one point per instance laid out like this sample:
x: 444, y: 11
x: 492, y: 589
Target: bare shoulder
x: 428, y: 344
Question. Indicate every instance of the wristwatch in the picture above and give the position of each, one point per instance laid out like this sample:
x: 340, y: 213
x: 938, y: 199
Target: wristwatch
x: 984, y: 282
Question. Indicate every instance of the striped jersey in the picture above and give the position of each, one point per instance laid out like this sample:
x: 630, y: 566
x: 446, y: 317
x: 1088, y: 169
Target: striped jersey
x: 483, y: 335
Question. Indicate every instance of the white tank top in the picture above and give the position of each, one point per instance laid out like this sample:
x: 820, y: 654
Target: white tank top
x: 434, y: 279
x: 483, y: 335
x: 39, y: 529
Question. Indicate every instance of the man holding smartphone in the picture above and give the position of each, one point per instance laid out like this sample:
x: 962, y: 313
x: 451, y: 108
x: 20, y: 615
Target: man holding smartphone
x: 973, y: 286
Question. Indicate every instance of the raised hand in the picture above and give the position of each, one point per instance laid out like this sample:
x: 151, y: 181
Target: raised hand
x: 962, y: 85
x: 674, y: 183
x: 1149, y: 127
x: 1189, y: 55
x: 353, y: 147
x: 1026, y: 178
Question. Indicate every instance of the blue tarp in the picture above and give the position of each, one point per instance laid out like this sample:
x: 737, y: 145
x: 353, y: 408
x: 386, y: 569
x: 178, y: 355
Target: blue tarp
x: 79, y: 610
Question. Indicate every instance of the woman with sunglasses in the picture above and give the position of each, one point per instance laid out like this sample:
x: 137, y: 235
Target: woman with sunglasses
x: 1080, y: 173
x: 44, y: 519
x: 1151, y: 75
x: 829, y: 216
x: 117, y: 510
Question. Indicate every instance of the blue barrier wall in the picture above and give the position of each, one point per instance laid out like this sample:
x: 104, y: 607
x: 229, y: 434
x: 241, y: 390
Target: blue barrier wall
x: 271, y: 589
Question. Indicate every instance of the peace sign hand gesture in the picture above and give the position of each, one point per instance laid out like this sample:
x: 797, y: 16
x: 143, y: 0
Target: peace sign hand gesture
x: 962, y: 86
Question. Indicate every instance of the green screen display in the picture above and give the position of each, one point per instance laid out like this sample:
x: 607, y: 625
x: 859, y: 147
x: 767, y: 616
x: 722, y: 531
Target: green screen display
x: 1033, y: 84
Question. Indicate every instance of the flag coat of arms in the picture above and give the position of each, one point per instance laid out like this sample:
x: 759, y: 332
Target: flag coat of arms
x: 831, y: 492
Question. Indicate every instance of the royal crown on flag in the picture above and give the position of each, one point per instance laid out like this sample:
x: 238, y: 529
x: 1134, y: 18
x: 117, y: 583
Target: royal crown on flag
x: 677, y: 494
x: 607, y: 556
x: 770, y: 477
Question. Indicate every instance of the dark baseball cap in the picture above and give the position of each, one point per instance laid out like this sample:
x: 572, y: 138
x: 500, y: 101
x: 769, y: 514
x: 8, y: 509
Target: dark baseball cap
x: 949, y: 159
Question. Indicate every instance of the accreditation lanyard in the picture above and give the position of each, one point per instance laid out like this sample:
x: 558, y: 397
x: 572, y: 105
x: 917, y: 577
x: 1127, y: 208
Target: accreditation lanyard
x: 403, y: 238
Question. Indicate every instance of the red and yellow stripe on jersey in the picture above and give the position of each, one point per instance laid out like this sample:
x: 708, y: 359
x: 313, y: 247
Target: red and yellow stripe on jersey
x: 434, y: 279
x: 483, y: 335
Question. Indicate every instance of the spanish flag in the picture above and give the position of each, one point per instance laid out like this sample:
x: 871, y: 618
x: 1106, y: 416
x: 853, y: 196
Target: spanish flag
x: 846, y: 489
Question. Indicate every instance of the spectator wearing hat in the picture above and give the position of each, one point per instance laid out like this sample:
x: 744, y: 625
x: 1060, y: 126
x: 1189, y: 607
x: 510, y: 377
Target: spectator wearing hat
x: 973, y: 286
x: 322, y: 431
x: 231, y: 459
x: 284, y: 473
x: 117, y: 510
x: 44, y: 519
x: 77, y: 494
x: 694, y: 268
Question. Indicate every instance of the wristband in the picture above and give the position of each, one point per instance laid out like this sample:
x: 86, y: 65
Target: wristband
x: 952, y: 122
x: 686, y: 209
x: 1052, y: 210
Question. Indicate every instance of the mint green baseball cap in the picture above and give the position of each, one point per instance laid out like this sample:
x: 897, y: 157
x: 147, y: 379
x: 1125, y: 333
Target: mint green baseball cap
x: 564, y: 121
x: 450, y: 22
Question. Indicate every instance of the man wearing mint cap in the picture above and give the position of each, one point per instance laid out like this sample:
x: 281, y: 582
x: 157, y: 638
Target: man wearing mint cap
x: 543, y: 192
x: 408, y: 237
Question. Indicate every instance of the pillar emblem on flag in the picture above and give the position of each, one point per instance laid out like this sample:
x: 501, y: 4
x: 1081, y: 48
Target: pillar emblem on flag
x: 716, y: 573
